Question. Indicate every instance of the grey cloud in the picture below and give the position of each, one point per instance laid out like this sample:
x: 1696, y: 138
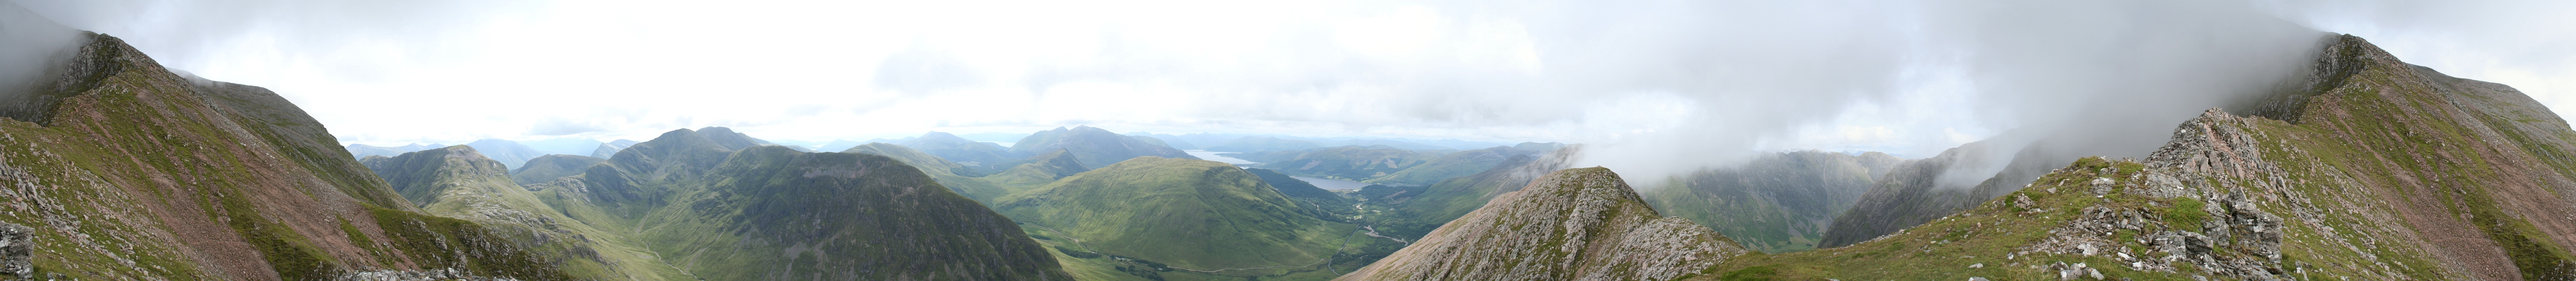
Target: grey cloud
x: 177, y: 32
x: 29, y: 44
x: 2111, y: 76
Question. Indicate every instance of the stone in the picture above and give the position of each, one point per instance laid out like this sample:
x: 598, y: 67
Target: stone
x: 17, y: 249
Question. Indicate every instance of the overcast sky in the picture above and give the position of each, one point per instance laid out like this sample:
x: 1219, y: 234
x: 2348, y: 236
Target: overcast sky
x: 1662, y: 81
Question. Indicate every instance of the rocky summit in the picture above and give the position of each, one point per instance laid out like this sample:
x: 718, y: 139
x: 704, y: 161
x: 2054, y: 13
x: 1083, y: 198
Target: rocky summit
x: 1574, y: 224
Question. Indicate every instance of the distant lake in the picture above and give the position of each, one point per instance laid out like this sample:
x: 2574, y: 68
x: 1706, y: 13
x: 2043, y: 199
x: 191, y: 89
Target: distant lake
x: 1211, y: 156
x: 1331, y: 184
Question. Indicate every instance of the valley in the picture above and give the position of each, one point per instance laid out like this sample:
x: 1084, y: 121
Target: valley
x: 2348, y: 164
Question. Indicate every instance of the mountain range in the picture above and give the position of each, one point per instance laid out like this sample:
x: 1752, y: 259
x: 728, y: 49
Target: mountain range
x: 113, y: 167
x: 123, y: 169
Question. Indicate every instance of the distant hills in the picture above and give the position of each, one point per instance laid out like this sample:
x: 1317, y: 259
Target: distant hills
x: 2362, y: 167
x: 1183, y: 214
x: 1095, y: 147
x: 717, y: 204
x: 459, y: 182
x: 962, y: 151
x: 1778, y: 202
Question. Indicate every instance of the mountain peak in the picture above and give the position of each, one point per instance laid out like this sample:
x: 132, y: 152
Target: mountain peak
x: 1583, y: 223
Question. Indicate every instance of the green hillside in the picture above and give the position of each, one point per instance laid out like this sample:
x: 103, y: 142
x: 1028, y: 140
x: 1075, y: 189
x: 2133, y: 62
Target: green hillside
x: 962, y: 151
x: 2374, y: 170
x: 1037, y: 171
x: 1452, y: 165
x: 1410, y: 212
x: 773, y: 213
x: 1348, y: 162
x: 1094, y: 146
x: 1780, y: 202
x: 1184, y: 217
x: 947, y: 173
x: 547, y: 168
x: 458, y: 182
x: 124, y: 170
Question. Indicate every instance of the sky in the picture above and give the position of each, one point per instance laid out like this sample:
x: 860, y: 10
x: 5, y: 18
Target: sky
x: 1656, y: 87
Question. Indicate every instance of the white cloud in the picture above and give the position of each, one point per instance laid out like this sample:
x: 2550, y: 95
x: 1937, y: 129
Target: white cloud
x: 1676, y: 84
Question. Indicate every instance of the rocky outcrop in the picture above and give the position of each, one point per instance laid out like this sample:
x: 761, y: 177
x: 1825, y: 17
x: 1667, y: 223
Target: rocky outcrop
x: 1574, y: 224
x: 443, y: 274
x: 1418, y: 210
x: 17, y: 250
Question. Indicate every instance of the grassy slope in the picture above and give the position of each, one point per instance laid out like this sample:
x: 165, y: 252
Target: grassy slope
x: 2390, y: 173
x: 762, y: 214
x: 459, y: 183
x: 980, y: 189
x: 1179, y: 215
x: 141, y: 174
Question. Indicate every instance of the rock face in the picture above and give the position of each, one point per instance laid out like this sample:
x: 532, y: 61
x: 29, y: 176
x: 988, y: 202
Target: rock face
x: 1418, y: 210
x: 1094, y: 146
x: 2388, y: 171
x: 1574, y: 224
x: 1777, y: 203
x: 17, y: 250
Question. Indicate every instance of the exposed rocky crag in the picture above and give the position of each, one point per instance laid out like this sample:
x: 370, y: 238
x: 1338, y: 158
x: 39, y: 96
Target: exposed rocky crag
x: 1414, y: 211
x: 1574, y: 224
x: 2389, y: 172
